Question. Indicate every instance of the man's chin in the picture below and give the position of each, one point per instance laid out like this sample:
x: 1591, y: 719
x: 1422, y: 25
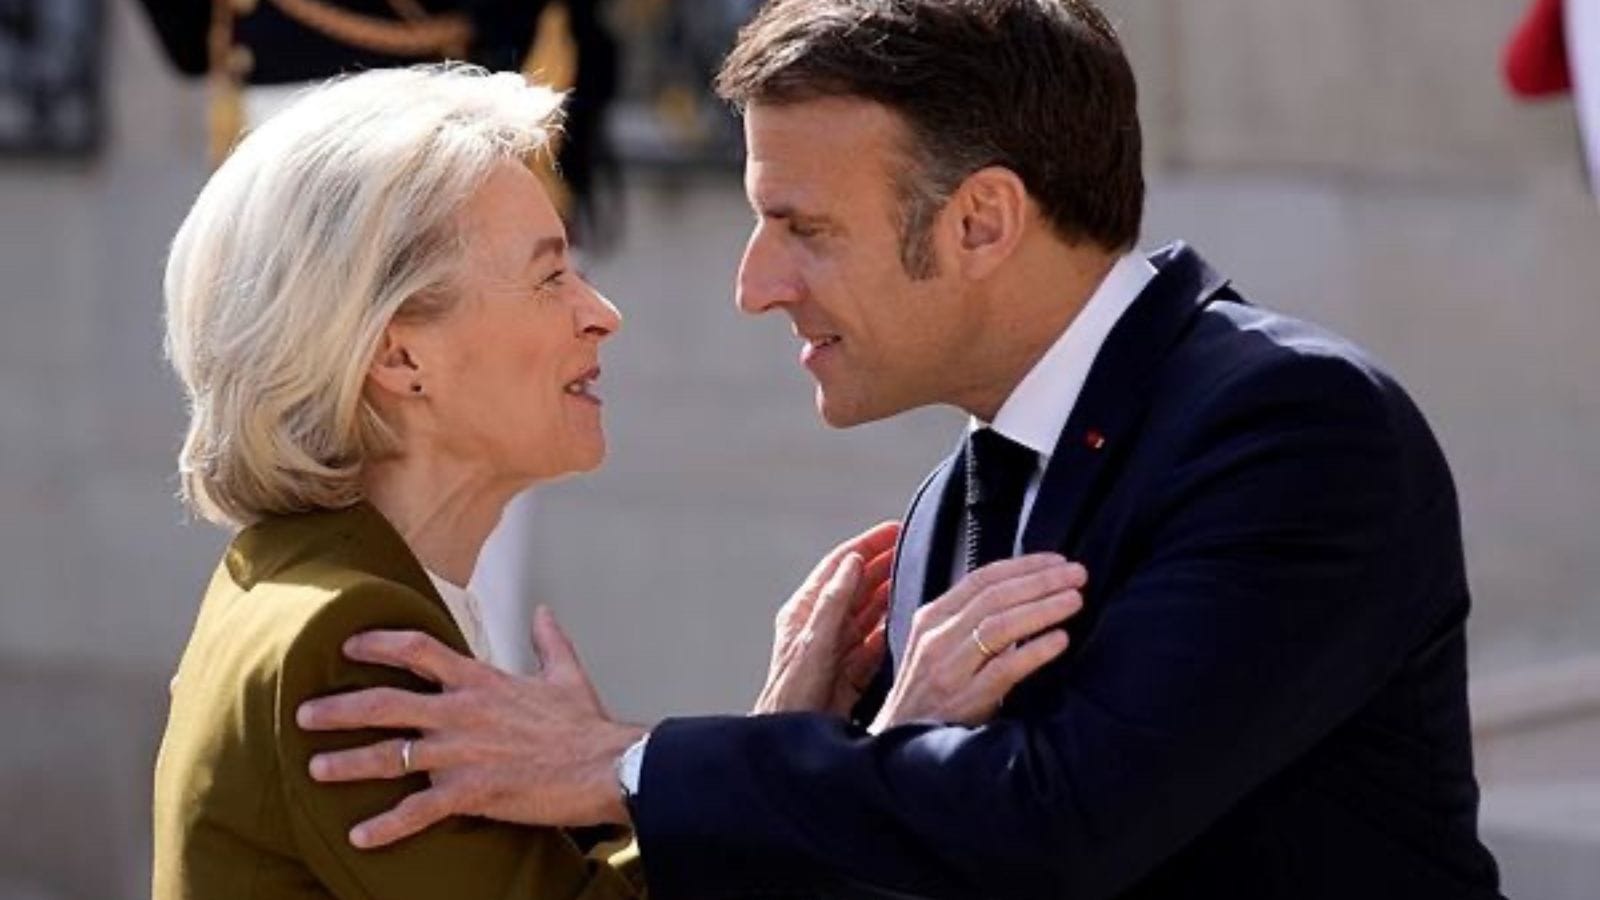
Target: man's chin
x: 840, y: 413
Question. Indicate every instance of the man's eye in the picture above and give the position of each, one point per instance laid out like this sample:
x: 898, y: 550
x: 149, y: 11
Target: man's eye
x: 803, y: 230
x: 555, y: 279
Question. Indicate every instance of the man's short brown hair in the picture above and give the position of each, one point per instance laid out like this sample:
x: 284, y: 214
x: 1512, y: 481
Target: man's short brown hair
x: 1040, y: 87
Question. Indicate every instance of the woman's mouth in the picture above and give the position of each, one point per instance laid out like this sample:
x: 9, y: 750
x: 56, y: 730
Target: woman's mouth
x: 582, y: 387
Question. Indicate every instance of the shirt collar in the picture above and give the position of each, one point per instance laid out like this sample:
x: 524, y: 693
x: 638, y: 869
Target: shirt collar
x: 1038, y: 408
x: 463, y: 606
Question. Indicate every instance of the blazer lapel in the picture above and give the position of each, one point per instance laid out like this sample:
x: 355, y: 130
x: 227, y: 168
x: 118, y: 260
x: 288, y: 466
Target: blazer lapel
x: 1115, y: 396
x: 357, y: 537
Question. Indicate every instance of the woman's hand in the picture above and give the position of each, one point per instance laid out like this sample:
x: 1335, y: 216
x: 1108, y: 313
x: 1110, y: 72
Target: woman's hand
x: 828, y: 639
x: 971, y: 646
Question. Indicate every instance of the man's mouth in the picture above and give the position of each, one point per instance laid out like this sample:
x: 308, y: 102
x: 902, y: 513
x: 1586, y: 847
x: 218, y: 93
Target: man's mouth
x: 815, y: 345
x: 583, y: 385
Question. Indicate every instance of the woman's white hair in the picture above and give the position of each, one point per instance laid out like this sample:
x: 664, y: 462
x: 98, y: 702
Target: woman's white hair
x: 333, y: 217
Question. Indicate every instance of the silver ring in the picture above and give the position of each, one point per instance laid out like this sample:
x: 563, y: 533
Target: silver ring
x: 985, y: 649
x: 405, y: 756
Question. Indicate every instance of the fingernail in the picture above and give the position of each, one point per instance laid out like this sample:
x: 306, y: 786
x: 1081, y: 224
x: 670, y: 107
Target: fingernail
x: 303, y: 715
x: 319, y: 768
x: 351, y: 646
x: 360, y: 837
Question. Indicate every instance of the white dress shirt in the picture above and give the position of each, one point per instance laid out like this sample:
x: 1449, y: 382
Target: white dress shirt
x: 1038, y: 408
x: 468, y: 614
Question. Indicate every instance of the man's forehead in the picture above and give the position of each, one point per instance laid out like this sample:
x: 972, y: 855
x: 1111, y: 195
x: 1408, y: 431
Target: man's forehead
x: 815, y: 147
x: 821, y: 123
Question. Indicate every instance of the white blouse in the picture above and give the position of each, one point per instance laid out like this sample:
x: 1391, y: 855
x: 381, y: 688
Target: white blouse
x: 468, y: 613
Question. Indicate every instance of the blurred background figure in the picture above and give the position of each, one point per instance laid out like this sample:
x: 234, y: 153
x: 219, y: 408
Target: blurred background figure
x: 1556, y: 50
x: 256, y: 54
x: 49, y: 95
x: 1362, y: 161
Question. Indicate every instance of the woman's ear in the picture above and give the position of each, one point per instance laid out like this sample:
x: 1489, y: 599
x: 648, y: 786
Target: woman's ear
x: 394, y: 369
x: 992, y: 207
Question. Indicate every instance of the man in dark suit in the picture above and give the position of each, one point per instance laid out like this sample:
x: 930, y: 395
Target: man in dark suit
x: 1265, y: 696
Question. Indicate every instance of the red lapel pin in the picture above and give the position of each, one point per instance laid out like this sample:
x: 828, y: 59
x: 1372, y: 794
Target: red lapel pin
x: 1094, y: 439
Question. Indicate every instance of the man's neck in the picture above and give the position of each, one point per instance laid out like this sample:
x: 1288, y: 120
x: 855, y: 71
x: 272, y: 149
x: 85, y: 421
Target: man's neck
x: 1025, y: 313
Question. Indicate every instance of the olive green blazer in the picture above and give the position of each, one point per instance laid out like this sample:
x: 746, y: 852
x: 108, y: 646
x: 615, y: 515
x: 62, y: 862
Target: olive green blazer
x: 237, y: 817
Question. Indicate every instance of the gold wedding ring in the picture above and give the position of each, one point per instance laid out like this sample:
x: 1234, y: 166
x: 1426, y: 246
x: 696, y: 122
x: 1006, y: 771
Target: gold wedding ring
x: 977, y: 638
x: 405, y: 756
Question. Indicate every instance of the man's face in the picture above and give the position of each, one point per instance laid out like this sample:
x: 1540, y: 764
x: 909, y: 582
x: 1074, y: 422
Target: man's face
x: 826, y: 250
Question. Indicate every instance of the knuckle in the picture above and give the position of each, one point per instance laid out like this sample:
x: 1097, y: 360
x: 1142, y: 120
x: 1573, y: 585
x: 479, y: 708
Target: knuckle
x: 1050, y: 581
x: 1055, y: 578
x: 938, y: 636
x: 1016, y: 667
x: 990, y: 575
x: 380, y: 700
x: 478, y: 792
x: 975, y: 581
x: 412, y: 646
x: 419, y: 807
x: 1000, y: 596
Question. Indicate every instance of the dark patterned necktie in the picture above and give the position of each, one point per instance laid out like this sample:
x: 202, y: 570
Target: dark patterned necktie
x: 998, y: 470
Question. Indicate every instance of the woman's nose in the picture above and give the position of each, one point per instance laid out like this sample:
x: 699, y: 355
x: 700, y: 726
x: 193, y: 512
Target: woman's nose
x: 596, y: 316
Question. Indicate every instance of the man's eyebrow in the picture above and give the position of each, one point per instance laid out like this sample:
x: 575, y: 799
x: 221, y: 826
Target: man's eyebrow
x: 786, y: 213
x: 550, y: 246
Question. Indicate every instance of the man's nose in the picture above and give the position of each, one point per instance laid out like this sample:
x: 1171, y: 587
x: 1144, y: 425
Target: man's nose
x: 766, y: 280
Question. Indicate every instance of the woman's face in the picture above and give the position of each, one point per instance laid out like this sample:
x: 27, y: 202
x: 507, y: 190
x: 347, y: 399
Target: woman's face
x: 508, y: 373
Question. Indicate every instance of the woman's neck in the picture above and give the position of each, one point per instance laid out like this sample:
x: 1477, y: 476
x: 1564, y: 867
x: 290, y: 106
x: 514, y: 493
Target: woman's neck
x: 444, y: 512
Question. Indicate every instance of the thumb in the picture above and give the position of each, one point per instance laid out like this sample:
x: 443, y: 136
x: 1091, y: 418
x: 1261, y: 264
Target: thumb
x: 833, y: 606
x: 558, y: 658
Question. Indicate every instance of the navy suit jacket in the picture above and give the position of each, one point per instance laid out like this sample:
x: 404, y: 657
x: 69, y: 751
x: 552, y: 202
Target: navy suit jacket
x: 1264, y: 697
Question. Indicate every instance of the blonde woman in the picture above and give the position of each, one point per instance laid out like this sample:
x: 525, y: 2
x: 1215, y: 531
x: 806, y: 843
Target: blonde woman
x: 372, y: 311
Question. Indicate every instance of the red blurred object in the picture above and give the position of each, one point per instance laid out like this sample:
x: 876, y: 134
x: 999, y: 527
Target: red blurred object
x: 1536, y: 58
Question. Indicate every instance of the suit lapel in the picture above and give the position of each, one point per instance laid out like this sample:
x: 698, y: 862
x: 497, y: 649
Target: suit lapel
x: 920, y: 554
x: 1106, y: 417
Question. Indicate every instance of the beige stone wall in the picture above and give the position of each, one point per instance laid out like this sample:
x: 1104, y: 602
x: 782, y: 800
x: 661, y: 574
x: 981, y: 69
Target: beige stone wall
x: 1356, y: 89
x: 1355, y: 162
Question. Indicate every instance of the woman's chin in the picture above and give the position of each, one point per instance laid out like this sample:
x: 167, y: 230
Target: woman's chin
x: 581, y: 461
x: 596, y: 460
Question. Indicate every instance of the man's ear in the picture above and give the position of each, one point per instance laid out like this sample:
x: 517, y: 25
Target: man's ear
x: 394, y: 370
x: 990, y: 209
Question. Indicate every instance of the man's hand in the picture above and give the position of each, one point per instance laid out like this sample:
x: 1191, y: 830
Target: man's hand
x: 970, y: 647
x: 539, y: 750
x: 828, y: 639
